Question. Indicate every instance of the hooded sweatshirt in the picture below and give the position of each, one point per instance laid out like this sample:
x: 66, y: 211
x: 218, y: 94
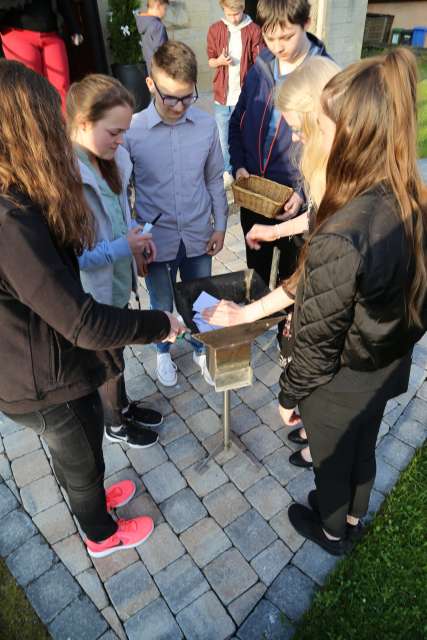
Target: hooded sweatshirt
x: 153, y: 35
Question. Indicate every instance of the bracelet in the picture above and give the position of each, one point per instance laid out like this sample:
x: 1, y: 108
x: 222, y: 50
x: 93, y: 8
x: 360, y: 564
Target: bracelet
x: 278, y: 236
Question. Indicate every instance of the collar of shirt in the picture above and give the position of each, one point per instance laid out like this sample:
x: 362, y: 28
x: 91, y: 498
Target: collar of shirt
x: 154, y: 118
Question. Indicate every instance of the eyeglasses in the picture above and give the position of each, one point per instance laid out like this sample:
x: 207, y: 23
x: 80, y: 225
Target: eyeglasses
x: 172, y: 101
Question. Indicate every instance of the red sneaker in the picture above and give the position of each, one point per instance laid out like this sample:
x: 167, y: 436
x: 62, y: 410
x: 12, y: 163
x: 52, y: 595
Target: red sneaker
x: 119, y: 494
x: 129, y: 534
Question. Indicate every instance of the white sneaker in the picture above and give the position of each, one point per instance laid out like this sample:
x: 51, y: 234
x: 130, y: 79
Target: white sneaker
x: 200, y: 360
x: 228, y: 179
x: 166, y: 370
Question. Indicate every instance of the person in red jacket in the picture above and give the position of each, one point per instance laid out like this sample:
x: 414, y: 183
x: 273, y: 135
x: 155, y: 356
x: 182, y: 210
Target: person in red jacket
x: 233, y: 45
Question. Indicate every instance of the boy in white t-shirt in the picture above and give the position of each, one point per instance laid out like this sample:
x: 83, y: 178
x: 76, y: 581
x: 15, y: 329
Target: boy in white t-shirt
x: 233, y: 45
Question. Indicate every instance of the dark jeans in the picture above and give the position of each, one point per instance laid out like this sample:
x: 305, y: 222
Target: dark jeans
x: 114, y: 397
x: 260, y: 259
x: 73, y: 432
x: 342, y: 430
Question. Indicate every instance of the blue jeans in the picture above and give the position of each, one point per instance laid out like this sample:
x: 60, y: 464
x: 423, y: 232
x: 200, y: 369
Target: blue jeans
x: 222, y: 117
x: 159, y: 287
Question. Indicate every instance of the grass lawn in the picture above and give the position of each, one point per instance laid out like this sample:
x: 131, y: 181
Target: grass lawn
x: 18, y: 621
x: 380, y: 591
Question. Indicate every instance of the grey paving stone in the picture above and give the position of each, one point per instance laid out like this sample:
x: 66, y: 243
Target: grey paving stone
x: 109, y: 635
x: 386, y: 476
x: 383, y: 431
x: 269, y: 373
x: 314, y: 561
x: 55, y: 523
x: 140, y: 387
x: 52, y: 592
x: 395, y: 452
x: 279, y: 466
x: 5, y: 468
x: 250, y: 534
x: 11, y: 484
x: 133, y: 368
x: 230, y: 575
x: 242, y: 606
x: 161, y: 549
x: 182, y: 510
x: 173, y: 427
x: 416, y: 410
x: 179, y: 389
x: 40, y: 495
x: 206, y: 618
x: 215, y: 445
x: 1, y: 445
x: 185, y: 451
x: 131, y: 590
x: 392, y: 417
x: 405, y: 398
x: 243, y: 419
x: 181, y: 583
x: 109, y: 566
x: 203, y: 482
x: 268, y: 497
x: 256, y: 396
x: 417, y: 375
x: 163, y: 481
x: 30, y: 560
x: 204, y: 424
x: 159, y: 403
x: 244, y: 472
x: 113, y: 620
x: 266, y: 622
x: 79, y: 621
x: 261, y: 441
x: 422, y: 391
x: 143, y: 460
x: 72, y: 552
x: 259, y: 357
x: 282, y: 526
x: 216, y: 400
x: 115, y: 459
x: 375, y: 501
x: 410, y: 431
x: 8, y: 426
x: 186, y: 364
x: 205, y: 541
x: 292, y: 592
x: 15, y: 530
x: 142, y: 505
x: 225, y: 504
x: 8, y: 502
x: 271, y: 561
x: 269, y: 415
x: 93, y: 587
x: 199, y: 383
x: 154, y: 622
x: 266, y: 340
x: 30, y: 467
x: 300, y: 487
x: 19, y: 443
x: 188, y: 403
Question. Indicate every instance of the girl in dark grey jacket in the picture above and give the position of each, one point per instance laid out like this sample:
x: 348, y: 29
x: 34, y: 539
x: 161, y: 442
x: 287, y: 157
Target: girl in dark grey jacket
x: 55, y: 339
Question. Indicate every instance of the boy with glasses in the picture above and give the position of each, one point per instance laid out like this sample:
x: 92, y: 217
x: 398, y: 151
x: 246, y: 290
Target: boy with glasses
x: 178, y: 168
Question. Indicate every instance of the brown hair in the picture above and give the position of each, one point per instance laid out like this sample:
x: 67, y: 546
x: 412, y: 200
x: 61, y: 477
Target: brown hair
x: 152, y: 3
x: 373, y: 104
x: 279, y: 13
x: 90, y: 99
x: 36, y: 156
x: 233, y: 5
x: 177, y: 60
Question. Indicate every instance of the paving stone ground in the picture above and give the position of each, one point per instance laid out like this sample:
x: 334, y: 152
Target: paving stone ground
x: 223, y: 561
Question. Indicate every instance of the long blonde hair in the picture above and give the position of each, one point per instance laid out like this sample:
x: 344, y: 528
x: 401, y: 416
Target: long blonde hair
x: 36, y: 156
x: 301, y: 92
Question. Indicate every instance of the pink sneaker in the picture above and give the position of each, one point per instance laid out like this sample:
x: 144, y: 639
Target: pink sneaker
x: 119, y: 494
x: 129, y: 534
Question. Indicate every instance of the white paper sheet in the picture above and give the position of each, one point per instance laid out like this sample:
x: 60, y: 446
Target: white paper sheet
x: 204, y: 301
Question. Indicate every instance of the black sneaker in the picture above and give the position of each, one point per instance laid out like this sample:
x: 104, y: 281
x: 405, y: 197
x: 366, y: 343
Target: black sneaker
x: 147, y: 417
x: 133, y: 435
x: 308, y: 524
x: 354, y: 532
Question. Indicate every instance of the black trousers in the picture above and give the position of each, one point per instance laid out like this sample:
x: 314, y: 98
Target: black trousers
x: 113, y: 394
x: 342, y: 430
x: 74, y: 432
x: 261, y: 260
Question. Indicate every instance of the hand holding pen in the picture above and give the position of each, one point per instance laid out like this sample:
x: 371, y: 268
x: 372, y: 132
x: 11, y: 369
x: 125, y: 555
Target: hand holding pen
x: 150, y: 252
x: 141, y: 243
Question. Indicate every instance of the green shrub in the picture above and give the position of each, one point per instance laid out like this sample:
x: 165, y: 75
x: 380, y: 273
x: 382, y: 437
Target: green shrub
x: 123, y: 35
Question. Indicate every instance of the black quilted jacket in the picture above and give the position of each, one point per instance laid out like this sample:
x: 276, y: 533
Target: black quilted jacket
x: 350, y: 305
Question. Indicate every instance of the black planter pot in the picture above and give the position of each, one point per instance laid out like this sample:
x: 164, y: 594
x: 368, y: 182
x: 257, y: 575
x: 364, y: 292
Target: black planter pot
x: 132, y: 76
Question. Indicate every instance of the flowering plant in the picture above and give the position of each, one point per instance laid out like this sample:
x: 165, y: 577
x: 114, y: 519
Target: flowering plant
x: 122, y: 32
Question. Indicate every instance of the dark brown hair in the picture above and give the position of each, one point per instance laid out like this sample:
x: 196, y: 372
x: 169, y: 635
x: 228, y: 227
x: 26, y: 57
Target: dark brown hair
x: 90, y: 99
x: 151, y: 3
x: 36, y: 155
x: 373, y: 104
x: 280, y: 13
x: 177, y: 60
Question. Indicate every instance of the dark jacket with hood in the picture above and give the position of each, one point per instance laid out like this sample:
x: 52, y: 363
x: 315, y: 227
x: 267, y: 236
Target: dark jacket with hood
x: 38, y: 15
x: 250, y: 120
x: 153, y: 35
x: 350, y: 309
x: 54, y: 336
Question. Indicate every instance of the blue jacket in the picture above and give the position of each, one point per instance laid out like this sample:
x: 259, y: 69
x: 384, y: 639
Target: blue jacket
x: 250, y: 119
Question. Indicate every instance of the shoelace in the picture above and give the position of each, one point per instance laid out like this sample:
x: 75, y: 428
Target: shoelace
x: 127, y: 525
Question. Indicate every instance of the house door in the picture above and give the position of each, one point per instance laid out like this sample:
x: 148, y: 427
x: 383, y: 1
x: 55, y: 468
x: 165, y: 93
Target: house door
x: 90, y: 56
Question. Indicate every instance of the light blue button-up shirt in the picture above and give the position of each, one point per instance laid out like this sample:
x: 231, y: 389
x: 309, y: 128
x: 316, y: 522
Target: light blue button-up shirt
x: 178, y: 172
